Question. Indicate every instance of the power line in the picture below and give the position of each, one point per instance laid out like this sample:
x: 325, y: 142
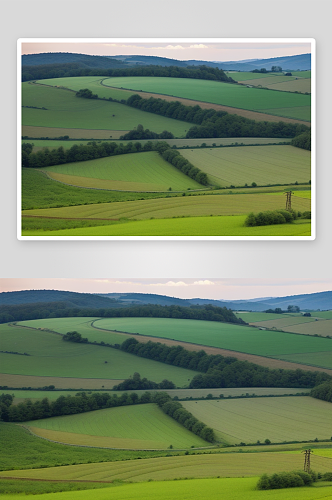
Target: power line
x: 307, y: 454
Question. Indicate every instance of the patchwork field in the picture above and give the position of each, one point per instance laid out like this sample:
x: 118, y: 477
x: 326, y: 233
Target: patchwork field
x: 223, y: 335
x: 284, y: 103
x: 300, y: 324
x: 65, y: 110
x: 134, y: 427
x: 47, y: 352
x: 298, y: 82
x: 245, y: 165
x: 131, y: 172
x: 277, y: 419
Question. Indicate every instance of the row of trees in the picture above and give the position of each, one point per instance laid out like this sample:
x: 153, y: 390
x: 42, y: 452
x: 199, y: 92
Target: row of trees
x: 136, y: 383
x: 175, y: 410
x: 292, y: 479
x: 323, y: 391
x: 74, y: 69
x: 212, y: 123
x: 62, y: 309
x: 219, y: 371
x: 181, y: 163
x: 139, y: 133
x: 302, y: 141
x: 83, y: 152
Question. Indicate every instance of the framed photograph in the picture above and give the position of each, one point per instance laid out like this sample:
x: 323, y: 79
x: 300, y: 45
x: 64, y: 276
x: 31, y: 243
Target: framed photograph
x: 166, y: 139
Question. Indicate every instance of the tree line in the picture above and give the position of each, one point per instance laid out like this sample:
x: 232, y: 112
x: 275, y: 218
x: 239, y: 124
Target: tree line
x: 212, y: 123
x: 323, y: 391
x: 222, y: 372
x: 136, y: 383
x: 302, y: 141
x: 181, y: 163
x: 20, y: 312
x: 291, y: 479
x: 45, y: 71
x: 83, y: 402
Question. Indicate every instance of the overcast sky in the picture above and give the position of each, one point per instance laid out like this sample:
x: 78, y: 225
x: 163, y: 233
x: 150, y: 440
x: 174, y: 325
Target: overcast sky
x: 200, y: 49
x: 210, y: 288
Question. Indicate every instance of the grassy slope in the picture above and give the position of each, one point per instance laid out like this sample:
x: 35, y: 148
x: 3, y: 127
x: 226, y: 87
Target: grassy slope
x: 263, y: 165
x: 278, y: 419
x: 64, y: 109
x: 194, y: 226
x: 134, y: 427
x: 291, y: 105
x: 48, y: 352
x: 137, y: 171
x: 224, y: 335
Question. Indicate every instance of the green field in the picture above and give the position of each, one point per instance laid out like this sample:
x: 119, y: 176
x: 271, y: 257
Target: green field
x: 258, y: 317
x: 277, y: 419
x: 322, y: 314
x: 224, y: 335
x: 51, y: 356
x: 244, y: 165
x: 131, y: 172
x: 204, y: 489
x: 301, y: 325
x: 134, y: 427
x: 285, y: 104
x: 65, y: 110
x: 275, y: 81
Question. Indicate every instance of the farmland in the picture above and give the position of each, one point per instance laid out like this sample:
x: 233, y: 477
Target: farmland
x: 50, y: 109
x: 290, y: 106
x: 298, y: 81
x: 46, y: 351
x: 252, y: 420
x: 134, y: 427
x: 244, y: 165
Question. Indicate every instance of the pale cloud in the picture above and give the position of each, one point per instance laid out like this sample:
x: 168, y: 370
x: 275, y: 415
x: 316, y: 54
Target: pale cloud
x: 203, y: 282
x: 172, y: 47
x: 198, y: 46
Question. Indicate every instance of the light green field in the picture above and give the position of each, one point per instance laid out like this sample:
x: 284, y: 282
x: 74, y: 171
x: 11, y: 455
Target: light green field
x: 225, y: 141
x: 220, y: 93
x: 203, y: 489
x: 193, y: 226
x: 224, y: 335
x: 51, y: 356
x: 322, y: 314
x: 320, y: 359
x: 244, y: 165
x: 283, y: 322
x: 131, y: 172
x: 65, y: 110
x: 276, y: 82
x: 258, y: 317
x: 279, y: 419
x: 302, y: 325
x: 139, y: 426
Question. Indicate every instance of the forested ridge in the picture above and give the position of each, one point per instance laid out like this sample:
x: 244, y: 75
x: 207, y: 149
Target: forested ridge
x: 65, y: 70
x: 63, y: 309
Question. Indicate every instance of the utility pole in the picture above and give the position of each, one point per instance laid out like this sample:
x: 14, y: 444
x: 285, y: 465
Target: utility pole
x: 288, y: 200
x: 306, y: 466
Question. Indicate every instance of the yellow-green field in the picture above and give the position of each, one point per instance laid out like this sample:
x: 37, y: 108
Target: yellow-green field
x: 277, y: 419
x: 143, y: 426
x: 131, y: 172
x: 245, y: 165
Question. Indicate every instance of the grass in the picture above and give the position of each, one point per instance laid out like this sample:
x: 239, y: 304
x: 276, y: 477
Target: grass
x: 301, y: 325
x: 320, y: 359
x: 203, y: 489
x: 257, y: 317
x: 244, y: 165
x: 40, y: 192
x: 223, y: 335
x: 65, y: 110
x: 25, y: 451
x: 194, y: 226
x: 220, y: 93
x: 51, y: 356
x: 134, y: 427
x: 322, y: 314
x: 131, y: 172
x: 278, y: 419
x: 11, y: 487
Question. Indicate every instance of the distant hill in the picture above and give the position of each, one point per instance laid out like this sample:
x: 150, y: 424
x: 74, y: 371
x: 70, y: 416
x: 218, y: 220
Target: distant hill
x: 315, y: 301
x: 298, y: 62
x: 72, y: 299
